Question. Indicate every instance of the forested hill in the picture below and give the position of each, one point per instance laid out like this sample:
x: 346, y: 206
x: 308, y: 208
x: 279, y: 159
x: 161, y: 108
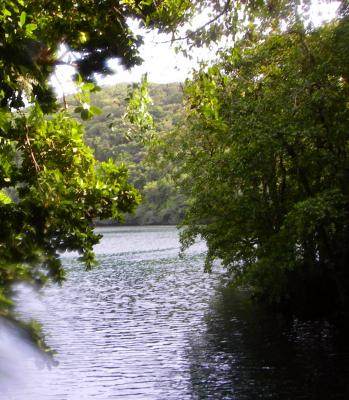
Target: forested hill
x: 107, y: 135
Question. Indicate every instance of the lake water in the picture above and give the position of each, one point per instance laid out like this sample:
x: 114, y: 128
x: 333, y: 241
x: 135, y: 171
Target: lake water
x: 147, y: 324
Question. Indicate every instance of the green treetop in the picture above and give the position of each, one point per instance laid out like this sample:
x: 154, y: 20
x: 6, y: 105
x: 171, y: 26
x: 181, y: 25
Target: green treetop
x: 264, y: 161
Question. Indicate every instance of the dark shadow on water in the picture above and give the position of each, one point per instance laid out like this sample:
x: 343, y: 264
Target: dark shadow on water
x: 249, y: 353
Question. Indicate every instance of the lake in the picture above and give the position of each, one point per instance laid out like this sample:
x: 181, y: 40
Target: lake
x: 148, y: 324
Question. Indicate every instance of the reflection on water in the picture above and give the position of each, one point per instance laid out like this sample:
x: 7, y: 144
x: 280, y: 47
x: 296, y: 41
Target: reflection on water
x: 250, y: 354
x: 147, y: 324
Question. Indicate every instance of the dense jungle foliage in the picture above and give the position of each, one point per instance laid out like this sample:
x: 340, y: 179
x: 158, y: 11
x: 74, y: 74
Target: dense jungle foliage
x: 264, y: 160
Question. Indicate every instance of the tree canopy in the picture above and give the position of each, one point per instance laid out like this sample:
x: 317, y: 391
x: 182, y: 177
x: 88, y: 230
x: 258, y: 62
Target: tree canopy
x: 263, y: 152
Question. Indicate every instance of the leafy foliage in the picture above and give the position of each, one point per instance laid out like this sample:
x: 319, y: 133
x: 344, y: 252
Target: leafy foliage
x: 51, y: 187
x: 264, y: 161
x: 52, y: 191
x: 94, y: 31
x: 137, y: 113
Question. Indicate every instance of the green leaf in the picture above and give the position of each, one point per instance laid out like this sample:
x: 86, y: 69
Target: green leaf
x: 6, y: 12
x: 89, y: 86
x: 96, y: 110
x: 85, y: 114
x: 30, y: 28
x: 22, y: 19
x: 4, y: 198
x: 78, y: 109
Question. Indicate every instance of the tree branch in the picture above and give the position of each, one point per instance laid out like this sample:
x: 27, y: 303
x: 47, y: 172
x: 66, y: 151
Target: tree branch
x: 29, y: 147
x: 202, y: 27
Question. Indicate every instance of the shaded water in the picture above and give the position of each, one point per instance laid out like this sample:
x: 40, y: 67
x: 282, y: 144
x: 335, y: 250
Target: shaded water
x: 147, y: 324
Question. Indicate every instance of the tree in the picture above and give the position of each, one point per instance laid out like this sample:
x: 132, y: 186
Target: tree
x: 51, y: 187
x: 264, y: 162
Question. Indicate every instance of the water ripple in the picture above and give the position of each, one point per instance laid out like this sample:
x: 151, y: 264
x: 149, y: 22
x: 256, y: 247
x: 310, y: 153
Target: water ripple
x: 121, y: 330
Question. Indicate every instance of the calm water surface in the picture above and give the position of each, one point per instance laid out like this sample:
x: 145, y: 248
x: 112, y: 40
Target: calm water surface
x: 147, y: 324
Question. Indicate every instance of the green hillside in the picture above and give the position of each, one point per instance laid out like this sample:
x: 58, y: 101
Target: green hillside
x: 107, y: 135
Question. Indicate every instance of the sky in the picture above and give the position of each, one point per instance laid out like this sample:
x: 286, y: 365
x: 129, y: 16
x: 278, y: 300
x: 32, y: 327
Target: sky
x: 161, y: 63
